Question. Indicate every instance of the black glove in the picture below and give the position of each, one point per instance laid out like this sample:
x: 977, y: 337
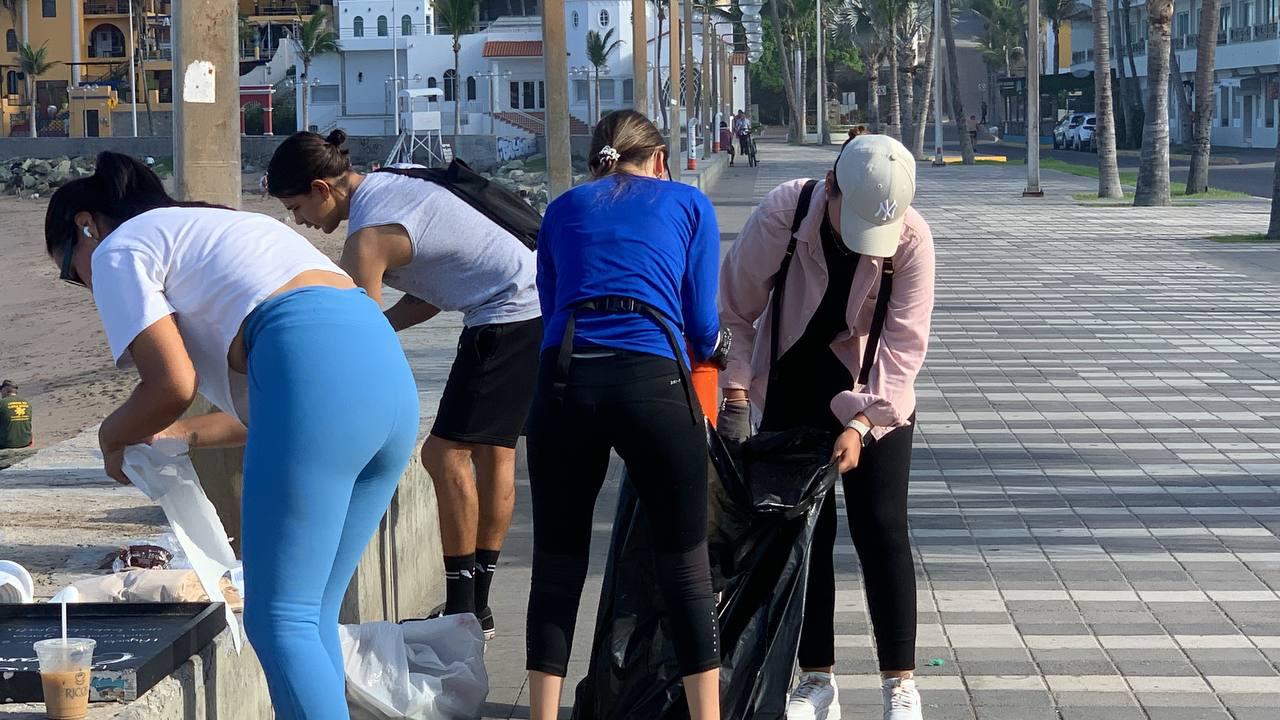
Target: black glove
x: 720, y: 355
x: 734, y: 422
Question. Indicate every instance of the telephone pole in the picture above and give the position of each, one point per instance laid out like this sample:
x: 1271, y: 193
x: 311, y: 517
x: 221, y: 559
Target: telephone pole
x: 639, y: 57
x: 673, y: 80
x: 555, y: 59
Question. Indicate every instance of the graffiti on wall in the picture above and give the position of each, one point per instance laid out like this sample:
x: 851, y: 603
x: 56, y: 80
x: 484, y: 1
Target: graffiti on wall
x: 512, y: 148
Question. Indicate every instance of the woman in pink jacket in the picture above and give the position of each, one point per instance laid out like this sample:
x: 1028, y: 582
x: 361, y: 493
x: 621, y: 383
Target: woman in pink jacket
x: 857, y: 267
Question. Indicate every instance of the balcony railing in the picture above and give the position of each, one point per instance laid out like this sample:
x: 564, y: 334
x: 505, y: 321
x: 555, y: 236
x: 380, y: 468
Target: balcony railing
x: 347, y: 33
x: 106, y: 7
x: 1081, y: 56
x: 1138, y: 47
x: 1241, y: 34
x: 115, y: 51
x: 284, y: 10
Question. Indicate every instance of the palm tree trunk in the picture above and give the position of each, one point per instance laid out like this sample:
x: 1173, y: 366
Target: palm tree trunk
x: 1179, y: 90
x: 1135, y: 82
x: 920, y: 114
x: 957, y: 105
x: 1206, y: 49
x: 457, y: 96
x: 873, y: 92
x: 595, y: 118
x: 1057, y: 61
x: 788, y: 81
x: 1103, y: 106
x: 895, y: 103
x: 1273, y: 232
x: 1126, y: 108
x: 306, y: 94
x: 1153, y: 170
x: 657, y: 67
x: 907, y: 88
x: 31, y: 99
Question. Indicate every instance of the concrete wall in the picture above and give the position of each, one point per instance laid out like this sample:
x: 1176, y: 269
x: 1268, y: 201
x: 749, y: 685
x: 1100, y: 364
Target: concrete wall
x: 480, y: 151
x: 122, y: 122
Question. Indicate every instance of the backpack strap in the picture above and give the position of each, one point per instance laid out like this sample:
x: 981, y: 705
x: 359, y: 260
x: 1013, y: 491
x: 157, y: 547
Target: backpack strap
x: 877, y: 321
x: 780, y: 279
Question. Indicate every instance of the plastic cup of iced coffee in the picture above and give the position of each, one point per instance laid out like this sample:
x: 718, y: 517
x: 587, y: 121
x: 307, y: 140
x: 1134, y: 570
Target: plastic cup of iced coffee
x: 64, y: 672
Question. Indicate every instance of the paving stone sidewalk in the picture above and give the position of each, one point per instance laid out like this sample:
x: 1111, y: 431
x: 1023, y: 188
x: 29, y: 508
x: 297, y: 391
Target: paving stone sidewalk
x: 1094, y: 500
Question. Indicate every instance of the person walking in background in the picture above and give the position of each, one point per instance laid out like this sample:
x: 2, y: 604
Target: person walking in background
x: 626, y: 273
x: 726, y: 140
x: 247, y: 312
x: 742, y: 130
x: 420, y: 238
x: 15, y: 418
x: 971, y: 125
x: 854, y: 326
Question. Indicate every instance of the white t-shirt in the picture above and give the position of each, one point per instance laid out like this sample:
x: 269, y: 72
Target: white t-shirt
x: 209, y: 267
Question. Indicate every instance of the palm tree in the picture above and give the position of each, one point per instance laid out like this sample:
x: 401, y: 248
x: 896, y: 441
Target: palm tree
x: 315, y: 38
x: 457, y: 15
x: 661, y: 15
x: 598, y: 50
x: 140, y: 34
x: 34, y: 62
x: 788, y: 80
x: 1153, y: 170
x: 920, y: 113
x: 1206, y: 49
x: 1104, y: 136
x: 957, y: 105
x: 1055, y: 12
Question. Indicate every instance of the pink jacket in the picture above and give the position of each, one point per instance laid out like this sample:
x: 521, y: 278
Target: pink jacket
x: 746, y: 282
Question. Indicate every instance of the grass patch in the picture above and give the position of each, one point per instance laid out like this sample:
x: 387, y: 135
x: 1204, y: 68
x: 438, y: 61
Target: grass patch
x: 1238, y: 239
x: 1130, y: 178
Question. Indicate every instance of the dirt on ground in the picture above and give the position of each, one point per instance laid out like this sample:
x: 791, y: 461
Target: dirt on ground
x: 51, y: 340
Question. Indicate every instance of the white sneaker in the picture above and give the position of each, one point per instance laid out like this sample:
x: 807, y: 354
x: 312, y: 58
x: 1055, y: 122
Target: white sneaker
x: 901, y: 699
x: 815, y: 697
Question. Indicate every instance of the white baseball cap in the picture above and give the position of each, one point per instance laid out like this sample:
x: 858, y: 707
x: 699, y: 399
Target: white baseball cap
x: 877, y: 179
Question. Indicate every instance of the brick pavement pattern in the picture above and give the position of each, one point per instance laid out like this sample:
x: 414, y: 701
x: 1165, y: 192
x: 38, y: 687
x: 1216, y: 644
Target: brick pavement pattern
x: 1094, y: 496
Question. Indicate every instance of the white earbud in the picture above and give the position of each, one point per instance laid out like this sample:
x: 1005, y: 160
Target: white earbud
x: 86, y: 232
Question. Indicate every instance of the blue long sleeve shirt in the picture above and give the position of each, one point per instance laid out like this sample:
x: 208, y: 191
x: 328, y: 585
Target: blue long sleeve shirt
x: 647, y: 239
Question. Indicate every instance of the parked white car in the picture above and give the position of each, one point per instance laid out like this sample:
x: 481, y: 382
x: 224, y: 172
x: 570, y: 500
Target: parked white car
x: 1082, y: 137
x: 1065, y: 128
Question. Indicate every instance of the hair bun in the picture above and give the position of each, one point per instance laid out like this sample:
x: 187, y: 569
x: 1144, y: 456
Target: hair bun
x: 336, y: 138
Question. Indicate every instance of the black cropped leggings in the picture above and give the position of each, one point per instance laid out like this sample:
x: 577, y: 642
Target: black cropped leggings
x: 875, y: 496
x: 635, y: 404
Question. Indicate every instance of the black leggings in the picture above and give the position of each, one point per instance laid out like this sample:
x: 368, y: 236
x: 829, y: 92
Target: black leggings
x: 636, y: 404
x: 875, y: 496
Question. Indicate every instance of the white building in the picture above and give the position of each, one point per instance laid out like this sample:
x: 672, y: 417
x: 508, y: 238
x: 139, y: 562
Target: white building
x: 1247, y: 73
x: 390, y: 45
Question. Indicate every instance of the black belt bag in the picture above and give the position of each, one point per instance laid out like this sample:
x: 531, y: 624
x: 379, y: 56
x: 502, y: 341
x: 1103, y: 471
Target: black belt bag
x: 620, y: 305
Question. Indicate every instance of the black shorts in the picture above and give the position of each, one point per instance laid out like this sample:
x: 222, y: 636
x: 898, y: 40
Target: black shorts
x: 490, y: 386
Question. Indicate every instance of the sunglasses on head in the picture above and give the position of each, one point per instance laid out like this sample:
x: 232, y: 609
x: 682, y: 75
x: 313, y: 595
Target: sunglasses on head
x: 68, y: 274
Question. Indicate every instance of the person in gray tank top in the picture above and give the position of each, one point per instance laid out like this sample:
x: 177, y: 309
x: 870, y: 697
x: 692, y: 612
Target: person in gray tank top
x: 444, y: 255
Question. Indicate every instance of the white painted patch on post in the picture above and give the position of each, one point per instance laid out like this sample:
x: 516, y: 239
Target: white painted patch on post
x: 198, y: 82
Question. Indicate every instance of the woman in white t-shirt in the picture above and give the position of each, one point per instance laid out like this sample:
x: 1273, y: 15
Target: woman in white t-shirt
x: 242, y: 309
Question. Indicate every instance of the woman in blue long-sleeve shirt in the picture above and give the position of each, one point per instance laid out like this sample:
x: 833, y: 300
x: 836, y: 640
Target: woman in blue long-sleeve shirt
x: 627, y: 274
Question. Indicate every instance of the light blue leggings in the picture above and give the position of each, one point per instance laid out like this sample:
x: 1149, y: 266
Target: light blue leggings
x: 333, y: 421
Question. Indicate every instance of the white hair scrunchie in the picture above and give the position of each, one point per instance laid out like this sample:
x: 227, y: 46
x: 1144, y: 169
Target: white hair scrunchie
x: 608, y: 153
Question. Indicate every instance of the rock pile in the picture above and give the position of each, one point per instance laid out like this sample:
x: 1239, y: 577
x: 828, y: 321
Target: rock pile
x: 528, y: 179
x: 28, y: 177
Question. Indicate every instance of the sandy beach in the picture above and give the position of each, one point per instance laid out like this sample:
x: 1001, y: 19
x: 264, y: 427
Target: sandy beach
x: 53, y: 346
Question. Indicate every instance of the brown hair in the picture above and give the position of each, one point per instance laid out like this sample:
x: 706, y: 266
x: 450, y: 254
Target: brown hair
x: 630, y: 134
x: 857, y: 130
x: 304, y: 157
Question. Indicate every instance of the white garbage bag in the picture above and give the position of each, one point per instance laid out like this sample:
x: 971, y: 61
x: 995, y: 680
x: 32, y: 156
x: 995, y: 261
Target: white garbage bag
x: 164, y: 473
x: 424, y: 669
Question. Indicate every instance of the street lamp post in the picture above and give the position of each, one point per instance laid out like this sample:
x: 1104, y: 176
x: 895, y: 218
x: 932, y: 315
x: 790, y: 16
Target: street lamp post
x: 937, y: 83
x: 1033, y: 101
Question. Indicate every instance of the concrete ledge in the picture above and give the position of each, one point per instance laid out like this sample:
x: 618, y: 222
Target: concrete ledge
x: 708, y: 172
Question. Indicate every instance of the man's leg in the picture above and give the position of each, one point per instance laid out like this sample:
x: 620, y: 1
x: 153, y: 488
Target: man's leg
x: 449, y: 464
x: 496, y: 496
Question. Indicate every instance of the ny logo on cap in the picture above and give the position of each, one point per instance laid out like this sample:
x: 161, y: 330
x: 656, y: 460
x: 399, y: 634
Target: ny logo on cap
x: 888, y: 208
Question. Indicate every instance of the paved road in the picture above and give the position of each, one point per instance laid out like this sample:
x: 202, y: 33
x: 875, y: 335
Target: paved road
x: 1094, y: 500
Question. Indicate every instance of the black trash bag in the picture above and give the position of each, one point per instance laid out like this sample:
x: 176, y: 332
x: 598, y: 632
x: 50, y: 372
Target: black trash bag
x: 764, y: 498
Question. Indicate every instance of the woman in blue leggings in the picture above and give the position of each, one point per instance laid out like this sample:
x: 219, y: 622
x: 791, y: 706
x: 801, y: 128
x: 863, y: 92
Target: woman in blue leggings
x: 245, y: 311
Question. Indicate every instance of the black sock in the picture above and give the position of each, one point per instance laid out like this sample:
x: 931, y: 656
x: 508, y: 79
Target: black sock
x: 486, y: 565
x: 459, y: 584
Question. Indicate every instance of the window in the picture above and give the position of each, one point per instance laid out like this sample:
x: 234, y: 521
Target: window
x: 1224, y: 107
x: 471, y: 88
x: 1183, y: 25
x: 406, y: 25
x: 49, y: 8
x: 542, y: 95
x: 1269, y: 111
x: 431, y: 82
x: 1246, y: 14
x: 450, y: 85
x: 527, y: 94
x: 1224, y: 18
x: 582, y: 91
x: 628, y: 92
x: 324, y: 94
x: 515, y: 95
x: 11, y: 82
x: 607, y: 89
x: 357, y: 27
x: 382, y: 26
x: 11, y: 41
x: 575, y: 19
x: 604, y: 18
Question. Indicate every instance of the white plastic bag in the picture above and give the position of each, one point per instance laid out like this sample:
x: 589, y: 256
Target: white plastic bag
x: 164, y: 473
x: 424, y: 669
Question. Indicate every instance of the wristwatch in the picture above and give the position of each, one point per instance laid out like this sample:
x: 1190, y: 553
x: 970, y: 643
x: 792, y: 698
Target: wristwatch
x: 863, y: 429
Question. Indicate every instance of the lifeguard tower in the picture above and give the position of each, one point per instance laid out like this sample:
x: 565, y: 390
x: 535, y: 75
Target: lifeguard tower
x: 420, y: 141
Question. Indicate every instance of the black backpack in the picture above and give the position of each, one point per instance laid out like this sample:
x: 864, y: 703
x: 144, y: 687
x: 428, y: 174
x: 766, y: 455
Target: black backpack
x: 505, y: 208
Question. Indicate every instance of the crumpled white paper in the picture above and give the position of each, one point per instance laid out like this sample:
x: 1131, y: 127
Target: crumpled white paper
x: 163, y: 472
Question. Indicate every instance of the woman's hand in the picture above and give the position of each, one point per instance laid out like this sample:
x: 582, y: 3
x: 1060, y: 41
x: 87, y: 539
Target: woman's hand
x: 848, y: 450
